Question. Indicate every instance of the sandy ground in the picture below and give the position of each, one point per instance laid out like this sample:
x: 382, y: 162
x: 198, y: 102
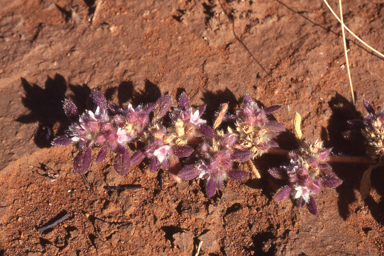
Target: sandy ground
x: 279, y: 52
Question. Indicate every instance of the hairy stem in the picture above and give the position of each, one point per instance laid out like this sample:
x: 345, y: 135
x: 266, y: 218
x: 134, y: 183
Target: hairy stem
x: 334, y: 159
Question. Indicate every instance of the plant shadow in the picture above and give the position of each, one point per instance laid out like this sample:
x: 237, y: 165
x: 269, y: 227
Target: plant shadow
x: 45, y: 105
x: 342, y: 111
x: 375, y: 205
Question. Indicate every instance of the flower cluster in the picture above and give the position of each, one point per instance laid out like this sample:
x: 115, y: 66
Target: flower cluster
x: 372, y: 129
x: 107, y: 126
x: 111, y: 128
x: 253, y: 129
x: 216, y: 160
x: 251, y: 139
x: 307, y: 172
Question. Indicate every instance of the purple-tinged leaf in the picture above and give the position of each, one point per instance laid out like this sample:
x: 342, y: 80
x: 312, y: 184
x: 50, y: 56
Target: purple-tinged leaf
x: 324, y: 153
x: 228, y: 140
x: 263, y: 146
x: 114, y: 108
x: 275, y: 126
x: 273, y: 144
x: 118, y: 120
x: 283, y: 193
x: 182, y: 151
x: 184, y: 101
x: 302, y: 171
x: 187, y: 173
x: 97, y: 99
x: 326, y: 169
x: 137, y: 157
x: 306, y: 181
x: 174, y: 167
x: 121, y: 149
x: 241, y: 155
x: 237, y: 174
x: 311, y: 205
x: 61, y: 141
x: 211, y: 187
x: 202, y: 110
x: 272, y: 109
x: 312, y: 161
x: 271, y: 135
x: 102, y: 154
x: 206, y: 131
x: 162, y: 106
x: 82, y: 160
x: 154, y: 164
x: 122, y: 163
x: 368, y: 107
x: 148, y: 108
x: 247, y: 99
x: 278, y: 173
x: 70, y: 110
x: 316, y: 187
x: 300, y: 202
x: 332, y: 182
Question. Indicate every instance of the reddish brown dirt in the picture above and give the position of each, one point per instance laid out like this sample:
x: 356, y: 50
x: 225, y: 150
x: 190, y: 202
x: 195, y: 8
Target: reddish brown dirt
x: 279, y: 52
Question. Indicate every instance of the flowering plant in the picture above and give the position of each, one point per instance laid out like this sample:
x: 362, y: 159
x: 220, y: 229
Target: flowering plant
x: 111, y: 128
x: 307, y: 172
x: 186, y: 137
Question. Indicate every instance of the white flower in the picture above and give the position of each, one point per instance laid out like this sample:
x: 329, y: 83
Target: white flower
x: 122, y: 136
x: 202, y: 167
x: 162, y: 153
x: 302, y: 192
x: 195, y: 118
x: 130, y: 108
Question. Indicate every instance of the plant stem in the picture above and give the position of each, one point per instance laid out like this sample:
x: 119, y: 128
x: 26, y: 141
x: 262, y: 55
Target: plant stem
x: 333, y: 159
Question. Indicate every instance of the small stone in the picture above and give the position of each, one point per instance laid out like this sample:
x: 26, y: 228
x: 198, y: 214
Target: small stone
x: 210, y: 243
x: 184, y: 241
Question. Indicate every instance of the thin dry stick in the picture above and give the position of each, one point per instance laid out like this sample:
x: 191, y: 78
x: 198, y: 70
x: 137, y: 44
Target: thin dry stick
x: 334, y: 159
x: 361, y: 41
x: 346, y: 52
x: 198, y: 249
x: 254, y: 169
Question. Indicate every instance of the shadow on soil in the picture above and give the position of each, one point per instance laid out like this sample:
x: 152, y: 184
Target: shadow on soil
x: 262, y: 244
x: 376, y: 206
x: 342, y: 111
x: 45, y: 105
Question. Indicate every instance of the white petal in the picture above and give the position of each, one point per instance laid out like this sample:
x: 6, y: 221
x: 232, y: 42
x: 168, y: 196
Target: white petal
x: 97, y: 112
x: 306, y: 197
x: 161, y: 153
x: 298, y: 193
x: 91, y: 114
x: 122, y: 135
x: 195, y: 118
